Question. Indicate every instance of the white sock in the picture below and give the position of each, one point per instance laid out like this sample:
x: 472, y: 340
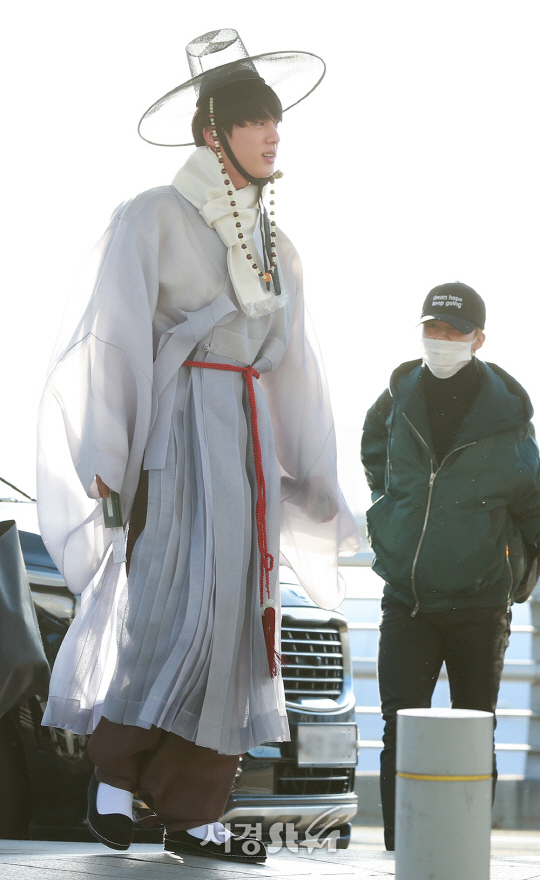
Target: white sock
x: 215, y: 832
x: 114, y: 800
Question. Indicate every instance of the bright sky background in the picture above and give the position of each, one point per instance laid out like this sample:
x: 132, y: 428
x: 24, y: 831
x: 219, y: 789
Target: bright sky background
x: 416, y: 162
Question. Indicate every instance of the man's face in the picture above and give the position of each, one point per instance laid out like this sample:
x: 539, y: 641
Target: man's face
x: 255, y: 147
x: 443, y: 330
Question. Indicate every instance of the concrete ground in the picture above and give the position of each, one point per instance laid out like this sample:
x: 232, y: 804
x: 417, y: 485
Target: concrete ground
x: 515, y: 856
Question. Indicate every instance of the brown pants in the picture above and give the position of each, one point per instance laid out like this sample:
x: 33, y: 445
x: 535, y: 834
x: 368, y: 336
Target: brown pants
x: 185, y: 784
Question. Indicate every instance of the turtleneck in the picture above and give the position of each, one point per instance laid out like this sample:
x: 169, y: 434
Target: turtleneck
x: 448, y: 401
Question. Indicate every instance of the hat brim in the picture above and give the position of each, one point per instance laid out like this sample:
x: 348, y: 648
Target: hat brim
x: 292, y: 75
x: 455, y: 320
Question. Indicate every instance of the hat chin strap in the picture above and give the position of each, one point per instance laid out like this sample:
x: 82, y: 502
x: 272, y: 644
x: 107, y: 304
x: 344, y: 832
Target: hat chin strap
x: 258, y: 181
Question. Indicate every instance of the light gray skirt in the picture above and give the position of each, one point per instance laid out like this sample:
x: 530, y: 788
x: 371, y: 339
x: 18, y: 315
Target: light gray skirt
x: 191, y: 650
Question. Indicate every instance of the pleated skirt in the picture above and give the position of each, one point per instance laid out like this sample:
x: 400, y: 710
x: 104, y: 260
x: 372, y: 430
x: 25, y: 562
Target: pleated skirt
x: 191, y: 654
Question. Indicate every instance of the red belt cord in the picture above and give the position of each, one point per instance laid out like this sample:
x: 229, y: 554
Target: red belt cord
x: 266, y: 559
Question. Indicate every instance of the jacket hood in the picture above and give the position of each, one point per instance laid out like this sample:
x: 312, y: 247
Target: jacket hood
x: 502, y: 403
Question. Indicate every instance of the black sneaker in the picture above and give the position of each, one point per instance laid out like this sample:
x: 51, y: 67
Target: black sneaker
x: 112, y: 829
x: 245, y: 849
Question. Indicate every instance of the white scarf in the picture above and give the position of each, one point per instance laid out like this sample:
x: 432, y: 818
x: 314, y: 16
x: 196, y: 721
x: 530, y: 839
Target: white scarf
x: 200, y: 181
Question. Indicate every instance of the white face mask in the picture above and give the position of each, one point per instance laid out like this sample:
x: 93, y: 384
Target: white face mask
x: 445, y: 357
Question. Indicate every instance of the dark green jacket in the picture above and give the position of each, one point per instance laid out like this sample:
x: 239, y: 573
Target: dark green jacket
x: 452, y: 534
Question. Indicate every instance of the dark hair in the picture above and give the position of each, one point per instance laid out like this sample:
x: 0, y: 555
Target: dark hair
x: 237, y: 103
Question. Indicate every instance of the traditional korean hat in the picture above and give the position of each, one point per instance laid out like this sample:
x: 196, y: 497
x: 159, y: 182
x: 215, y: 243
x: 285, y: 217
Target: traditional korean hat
x: 216, y: 59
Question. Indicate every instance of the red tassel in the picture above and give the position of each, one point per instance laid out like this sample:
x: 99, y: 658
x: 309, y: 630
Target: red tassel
x: 275, y: 662
x: 269, y: 627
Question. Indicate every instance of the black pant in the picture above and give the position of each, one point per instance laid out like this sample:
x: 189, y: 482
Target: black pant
x: 472, y: 643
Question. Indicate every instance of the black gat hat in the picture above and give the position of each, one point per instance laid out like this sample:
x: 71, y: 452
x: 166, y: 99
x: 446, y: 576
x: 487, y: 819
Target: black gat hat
x: 215, y: 60
x: 457, y: 304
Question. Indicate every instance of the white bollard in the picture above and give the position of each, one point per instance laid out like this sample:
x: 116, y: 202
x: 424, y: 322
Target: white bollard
x: 443, y: 794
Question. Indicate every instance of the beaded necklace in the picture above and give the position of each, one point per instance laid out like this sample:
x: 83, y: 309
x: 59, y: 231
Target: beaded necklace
x: 265, y: 276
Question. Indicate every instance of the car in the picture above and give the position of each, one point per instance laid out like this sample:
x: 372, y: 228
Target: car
x: 288, y: 792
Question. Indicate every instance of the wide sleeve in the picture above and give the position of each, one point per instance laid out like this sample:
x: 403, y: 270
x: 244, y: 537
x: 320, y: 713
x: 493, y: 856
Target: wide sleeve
x: 96, y: 409
x: 373, y: 451
x: 316, y: 523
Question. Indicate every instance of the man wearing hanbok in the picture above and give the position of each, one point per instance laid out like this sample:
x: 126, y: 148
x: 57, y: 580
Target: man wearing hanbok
x: 189, y: 387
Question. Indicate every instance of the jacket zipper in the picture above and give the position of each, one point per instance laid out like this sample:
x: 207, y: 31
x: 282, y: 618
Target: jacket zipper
x: 511, y: 587
x: 432, y: 476
x: 420, y: 542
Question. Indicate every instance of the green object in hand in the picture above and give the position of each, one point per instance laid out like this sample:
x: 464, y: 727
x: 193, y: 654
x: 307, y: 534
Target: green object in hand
x: 112, y: 514
x: 112, y: 511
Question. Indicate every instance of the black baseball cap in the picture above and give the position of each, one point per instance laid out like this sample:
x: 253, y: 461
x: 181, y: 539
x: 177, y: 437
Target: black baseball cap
x: 457, y: 304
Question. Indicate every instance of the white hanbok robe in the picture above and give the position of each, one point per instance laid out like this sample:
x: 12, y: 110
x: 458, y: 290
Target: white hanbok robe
x: 181, y: 645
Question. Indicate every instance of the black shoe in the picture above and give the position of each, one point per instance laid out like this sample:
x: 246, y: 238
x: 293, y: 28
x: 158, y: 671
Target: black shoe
x: 245, y: 849
x: 112, y: 829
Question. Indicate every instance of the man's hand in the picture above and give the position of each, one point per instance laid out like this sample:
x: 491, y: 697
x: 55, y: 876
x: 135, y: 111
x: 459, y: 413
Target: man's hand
x: 103, y: 490
x: 319, y: 505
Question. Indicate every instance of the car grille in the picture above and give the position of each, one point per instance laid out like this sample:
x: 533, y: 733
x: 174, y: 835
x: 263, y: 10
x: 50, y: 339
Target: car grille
x: 291, y: 779
x: 313, y: 661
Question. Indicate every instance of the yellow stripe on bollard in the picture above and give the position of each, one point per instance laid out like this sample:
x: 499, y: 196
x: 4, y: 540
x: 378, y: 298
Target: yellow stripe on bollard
x: 429, y: 778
